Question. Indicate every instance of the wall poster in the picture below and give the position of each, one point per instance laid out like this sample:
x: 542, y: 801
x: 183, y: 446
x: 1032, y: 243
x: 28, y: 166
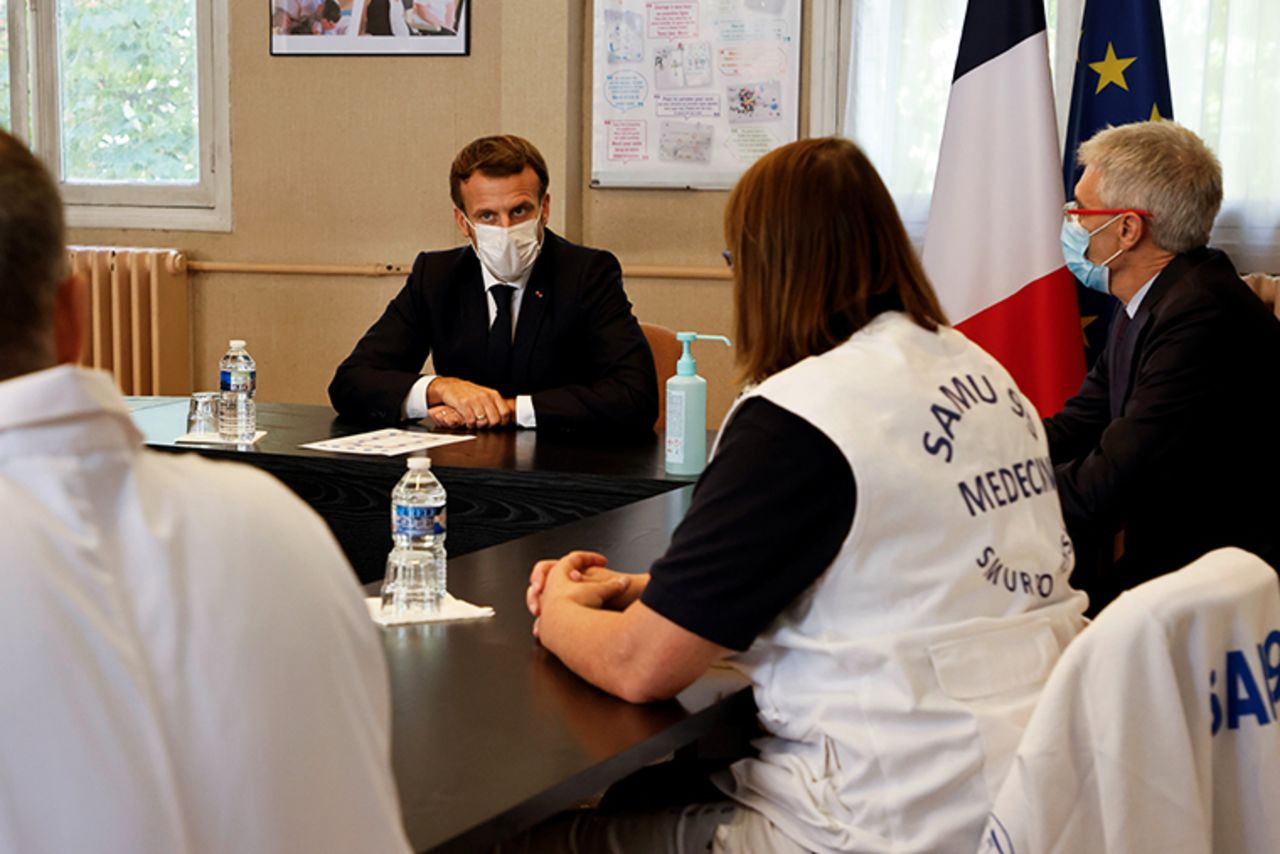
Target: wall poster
x: 689, y: 93
x: 364, y: 27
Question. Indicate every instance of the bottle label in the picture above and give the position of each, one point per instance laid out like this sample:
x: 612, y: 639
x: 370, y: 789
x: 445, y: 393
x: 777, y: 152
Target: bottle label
x: 675, y: 426
x: 240, y: 381
x: 418, y: 521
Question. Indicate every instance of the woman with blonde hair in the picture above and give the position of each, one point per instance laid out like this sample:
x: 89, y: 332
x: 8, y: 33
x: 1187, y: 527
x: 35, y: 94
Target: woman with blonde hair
x: 876, y: 542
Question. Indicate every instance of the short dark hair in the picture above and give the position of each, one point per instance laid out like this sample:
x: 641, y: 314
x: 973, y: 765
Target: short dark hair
x: 32, y: 258
x: 496, y: 157
x: 818, y: 251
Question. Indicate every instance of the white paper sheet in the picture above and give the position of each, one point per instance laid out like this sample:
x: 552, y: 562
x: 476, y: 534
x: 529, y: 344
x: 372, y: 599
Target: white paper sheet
x: 386, y: 443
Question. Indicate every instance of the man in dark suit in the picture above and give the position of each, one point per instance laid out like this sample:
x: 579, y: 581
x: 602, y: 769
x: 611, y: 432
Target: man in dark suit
x: 1170, y: 441
x: 524, y: 327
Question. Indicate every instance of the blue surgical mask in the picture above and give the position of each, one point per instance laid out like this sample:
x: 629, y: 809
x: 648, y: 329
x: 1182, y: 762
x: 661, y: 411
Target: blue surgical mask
x: 1075, y: 243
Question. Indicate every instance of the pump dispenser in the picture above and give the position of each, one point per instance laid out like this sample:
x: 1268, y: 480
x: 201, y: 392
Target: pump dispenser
x: 687, y: 410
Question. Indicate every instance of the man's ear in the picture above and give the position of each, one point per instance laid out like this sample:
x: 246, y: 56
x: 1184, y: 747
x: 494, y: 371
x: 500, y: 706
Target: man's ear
x: 546, y: 209
x: 1132, y: 229
x: 70, y: 319
x: 461, y: 220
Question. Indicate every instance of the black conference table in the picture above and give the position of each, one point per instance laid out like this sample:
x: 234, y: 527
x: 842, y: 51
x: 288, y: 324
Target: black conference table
x: 490, y: 733
x: 502, y: 485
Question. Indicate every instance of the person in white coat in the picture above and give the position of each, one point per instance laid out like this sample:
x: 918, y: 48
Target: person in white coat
x: 188, y: 665
x: 877, y: 543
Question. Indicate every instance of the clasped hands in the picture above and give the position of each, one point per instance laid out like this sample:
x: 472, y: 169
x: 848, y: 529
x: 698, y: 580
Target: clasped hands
x: 453, y: 402
x: 579, y: 578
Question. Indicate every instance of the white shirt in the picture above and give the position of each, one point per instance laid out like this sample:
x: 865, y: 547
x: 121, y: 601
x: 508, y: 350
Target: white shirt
x: 298, y: 9
x: 415, y: 402
x: 187, y: 662
x: 1131, y: 307
x: 438, y: 8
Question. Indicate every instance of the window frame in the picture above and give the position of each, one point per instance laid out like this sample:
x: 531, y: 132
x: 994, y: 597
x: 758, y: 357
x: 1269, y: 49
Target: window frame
x: 828, y: 54
x: 36, y: 93
x: 19, y: 105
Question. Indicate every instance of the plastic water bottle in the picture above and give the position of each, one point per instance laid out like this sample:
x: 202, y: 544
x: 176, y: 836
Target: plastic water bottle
x: 418, y: 508
x: 238, y: 375
x: 416, y: 568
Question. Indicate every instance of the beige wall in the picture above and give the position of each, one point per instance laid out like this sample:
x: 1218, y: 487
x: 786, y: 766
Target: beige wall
x: 344, y: 160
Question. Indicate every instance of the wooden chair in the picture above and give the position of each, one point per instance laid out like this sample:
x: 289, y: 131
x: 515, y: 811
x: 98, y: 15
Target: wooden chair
x: 1265, y: 286
x: 666, y: 352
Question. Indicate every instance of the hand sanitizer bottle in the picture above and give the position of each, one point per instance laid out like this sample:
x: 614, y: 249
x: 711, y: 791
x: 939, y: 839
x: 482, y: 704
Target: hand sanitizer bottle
x: 686, y: 443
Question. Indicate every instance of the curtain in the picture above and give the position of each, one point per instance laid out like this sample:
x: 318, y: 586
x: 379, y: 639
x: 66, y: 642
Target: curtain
x: 1224, y: 67
x: 901, y: 56
x: 1224, y: 70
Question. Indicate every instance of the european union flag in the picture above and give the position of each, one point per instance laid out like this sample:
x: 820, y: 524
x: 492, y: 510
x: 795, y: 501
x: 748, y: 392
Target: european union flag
x: 1122, y: 76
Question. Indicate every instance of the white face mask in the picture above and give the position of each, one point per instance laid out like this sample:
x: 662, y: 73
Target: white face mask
x: 508, y: 253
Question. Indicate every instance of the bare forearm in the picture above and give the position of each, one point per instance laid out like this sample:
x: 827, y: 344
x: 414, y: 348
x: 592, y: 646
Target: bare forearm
x: 592, y: 643
x: 636, y: 654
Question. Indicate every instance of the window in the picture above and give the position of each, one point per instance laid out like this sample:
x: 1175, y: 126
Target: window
x: 126, y: 100
x: 901, y: 58
x: 1222, y: 59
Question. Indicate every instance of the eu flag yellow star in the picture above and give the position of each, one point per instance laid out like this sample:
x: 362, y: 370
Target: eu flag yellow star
x: 1111, y: 69
x: 1155, y: 113
x: 1085, y: 320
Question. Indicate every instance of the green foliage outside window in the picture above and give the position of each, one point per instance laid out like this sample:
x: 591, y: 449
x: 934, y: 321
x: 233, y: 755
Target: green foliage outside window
x: 129, y: 103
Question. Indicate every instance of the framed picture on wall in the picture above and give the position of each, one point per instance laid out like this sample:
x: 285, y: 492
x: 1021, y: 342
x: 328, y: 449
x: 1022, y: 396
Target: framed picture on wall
x: 370, y: 27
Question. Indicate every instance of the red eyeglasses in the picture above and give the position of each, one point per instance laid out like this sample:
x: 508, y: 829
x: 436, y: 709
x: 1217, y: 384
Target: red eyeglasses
x: 1074, y: 214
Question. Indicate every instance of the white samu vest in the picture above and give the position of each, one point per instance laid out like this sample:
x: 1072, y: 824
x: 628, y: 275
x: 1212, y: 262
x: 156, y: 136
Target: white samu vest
x: 896, y: 687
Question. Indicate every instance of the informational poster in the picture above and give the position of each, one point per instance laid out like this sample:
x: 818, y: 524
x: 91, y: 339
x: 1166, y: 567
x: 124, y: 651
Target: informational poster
x: 689, y: 93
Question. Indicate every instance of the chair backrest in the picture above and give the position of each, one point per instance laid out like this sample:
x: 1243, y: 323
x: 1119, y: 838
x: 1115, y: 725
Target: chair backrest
x: 1157, y: 729
x: 1265, y: 286
x: 666, y: 352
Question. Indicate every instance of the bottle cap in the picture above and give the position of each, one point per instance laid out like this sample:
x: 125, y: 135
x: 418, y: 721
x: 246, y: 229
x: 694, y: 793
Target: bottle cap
x: 416, y: 463
x: 237, y: 344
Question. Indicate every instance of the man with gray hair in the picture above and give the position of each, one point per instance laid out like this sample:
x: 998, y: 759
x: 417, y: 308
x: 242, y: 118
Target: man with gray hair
x: 188, y: 665
x: 1156, y: 453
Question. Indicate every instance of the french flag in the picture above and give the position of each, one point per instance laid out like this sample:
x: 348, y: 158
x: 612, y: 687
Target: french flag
x: 991, y: 249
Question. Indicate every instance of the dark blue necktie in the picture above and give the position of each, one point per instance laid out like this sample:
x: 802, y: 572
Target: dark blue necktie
x: 1121, y: 357
x: 498, y: 361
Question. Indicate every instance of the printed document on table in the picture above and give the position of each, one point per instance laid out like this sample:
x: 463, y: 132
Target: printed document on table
x: 386, y: 443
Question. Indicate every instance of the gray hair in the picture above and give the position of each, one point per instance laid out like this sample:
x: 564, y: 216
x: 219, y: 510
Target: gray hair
x: 1163, y: 168
x: 32, y: 258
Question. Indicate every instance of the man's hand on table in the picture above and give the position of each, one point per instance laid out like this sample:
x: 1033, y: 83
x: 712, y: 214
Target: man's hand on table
x: 445, y: 416
x: 455, y: 402
x: 580, y: 578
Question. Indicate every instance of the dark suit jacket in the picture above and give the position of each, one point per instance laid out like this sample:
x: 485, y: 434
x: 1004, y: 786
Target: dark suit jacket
x: 578, y: 350
x: 1180, y: 452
